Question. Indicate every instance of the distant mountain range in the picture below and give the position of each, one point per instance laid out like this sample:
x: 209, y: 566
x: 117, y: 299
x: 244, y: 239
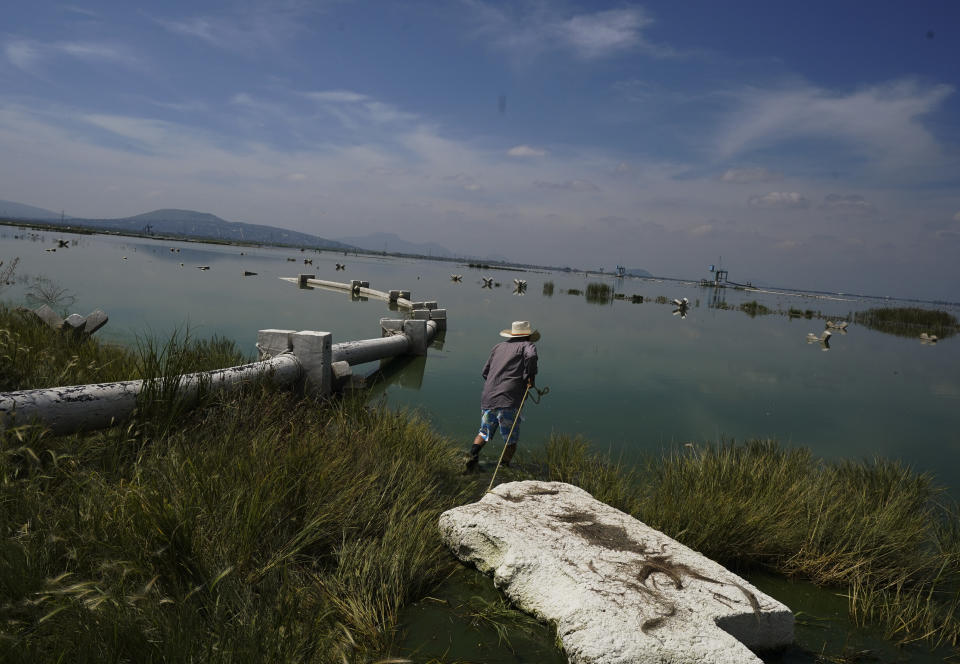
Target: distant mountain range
x: 189, y: 223
x: 184, y: 223
x: 203, y: 225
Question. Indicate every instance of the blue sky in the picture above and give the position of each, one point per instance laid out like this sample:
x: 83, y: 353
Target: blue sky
x: 809, y: 144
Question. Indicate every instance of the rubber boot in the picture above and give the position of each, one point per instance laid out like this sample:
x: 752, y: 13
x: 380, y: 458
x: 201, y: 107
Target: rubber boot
x: 473, y: 458
x: 508, y: 453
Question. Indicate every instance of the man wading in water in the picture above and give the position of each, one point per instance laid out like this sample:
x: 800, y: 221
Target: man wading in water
x: 508, y: 374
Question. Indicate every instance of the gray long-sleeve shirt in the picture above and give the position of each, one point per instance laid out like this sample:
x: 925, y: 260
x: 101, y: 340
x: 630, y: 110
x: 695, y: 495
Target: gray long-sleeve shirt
x: 511, y: 364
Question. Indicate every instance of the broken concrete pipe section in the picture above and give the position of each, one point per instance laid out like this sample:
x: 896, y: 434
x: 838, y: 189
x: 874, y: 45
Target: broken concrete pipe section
x: 617, y: 590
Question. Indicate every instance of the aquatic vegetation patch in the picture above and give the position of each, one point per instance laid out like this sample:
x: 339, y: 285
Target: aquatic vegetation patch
x: 909, y: 321
x: 754, y: 309
x: 599, y: 293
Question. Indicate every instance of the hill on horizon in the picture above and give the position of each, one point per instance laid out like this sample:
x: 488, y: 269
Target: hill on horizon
x: 186, y: 223
x: 14, y: 210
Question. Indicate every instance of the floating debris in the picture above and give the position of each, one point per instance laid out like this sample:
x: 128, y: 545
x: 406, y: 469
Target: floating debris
x: 247, y: 273
x: 203, y: 267
x: 308, y: 261
x: 62, y: 244
x: 823, y: 339
x: 839, y: 325
x: 456, y: 277
x: 75, y: 323
x: 928, y: 339
x: 487, y: 282
x: 341, y: 266
x: 50, y: 249
x: 682, y: 305
x: 291, y: 260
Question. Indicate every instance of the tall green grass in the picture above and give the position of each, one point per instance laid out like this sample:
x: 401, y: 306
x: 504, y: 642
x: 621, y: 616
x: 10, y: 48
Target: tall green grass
x: 34, y: 355
x: 264, y: 528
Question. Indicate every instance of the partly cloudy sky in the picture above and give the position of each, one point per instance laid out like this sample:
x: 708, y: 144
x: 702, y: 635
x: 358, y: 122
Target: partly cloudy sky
x: 814, y: 145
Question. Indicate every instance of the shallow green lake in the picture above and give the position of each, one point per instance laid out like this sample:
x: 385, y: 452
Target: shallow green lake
x: 630, y: 377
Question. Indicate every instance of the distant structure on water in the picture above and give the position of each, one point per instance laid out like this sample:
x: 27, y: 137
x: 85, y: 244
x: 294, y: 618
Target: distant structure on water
x: 720, y: 279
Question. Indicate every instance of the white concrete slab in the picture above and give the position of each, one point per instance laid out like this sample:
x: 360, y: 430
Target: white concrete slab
x: 617, y: 590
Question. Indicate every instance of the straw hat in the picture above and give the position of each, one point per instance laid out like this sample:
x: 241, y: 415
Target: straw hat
x: 520, y: 328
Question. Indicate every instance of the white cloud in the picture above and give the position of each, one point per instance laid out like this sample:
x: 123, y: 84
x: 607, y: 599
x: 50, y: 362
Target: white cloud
x: 353, y: 108
x: 464, y: 181
x: 749, y: 175
x: 27, y: 54
x: 881, y: 122
x: 93, y: 51
x: 604, y: 33
x: 526, y: 151
x: 569, y: 185
x: 22, y: 54
x: 248, y: 27
x: 847, y: 204
x: 525, y: 31
x: 337, y: 96
x: 143, y: 133
x: 780, y: 199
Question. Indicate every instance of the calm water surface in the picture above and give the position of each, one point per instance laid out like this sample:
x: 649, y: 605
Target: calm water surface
x: 629, y: 377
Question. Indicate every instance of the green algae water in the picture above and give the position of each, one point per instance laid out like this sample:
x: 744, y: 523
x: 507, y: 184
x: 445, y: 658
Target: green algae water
x: 631, y: 377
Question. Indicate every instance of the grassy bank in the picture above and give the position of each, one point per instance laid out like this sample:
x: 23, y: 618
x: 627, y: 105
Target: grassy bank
x: 263, y: 527
x: 268, y: 527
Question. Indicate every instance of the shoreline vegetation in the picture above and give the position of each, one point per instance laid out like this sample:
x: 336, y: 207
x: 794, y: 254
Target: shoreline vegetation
x: 265, y: 526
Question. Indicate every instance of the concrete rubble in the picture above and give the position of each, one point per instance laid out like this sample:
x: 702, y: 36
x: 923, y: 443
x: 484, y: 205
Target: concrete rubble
x: 617, y: 590
x: 80, y: 325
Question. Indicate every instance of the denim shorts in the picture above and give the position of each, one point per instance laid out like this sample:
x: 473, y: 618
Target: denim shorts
x: 504, y: 419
